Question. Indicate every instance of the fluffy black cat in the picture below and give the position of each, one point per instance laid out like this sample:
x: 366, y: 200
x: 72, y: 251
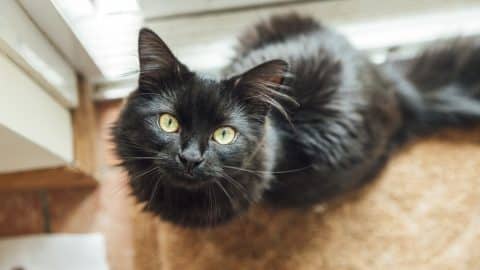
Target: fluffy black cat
x: 298, y: 117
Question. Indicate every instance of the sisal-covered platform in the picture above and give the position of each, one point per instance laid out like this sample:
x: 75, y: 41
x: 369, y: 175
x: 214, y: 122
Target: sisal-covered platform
x: 423, y: 212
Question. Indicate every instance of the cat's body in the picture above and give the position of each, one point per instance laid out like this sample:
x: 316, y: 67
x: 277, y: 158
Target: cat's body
x: 347, y: 110
x: 350, y: 114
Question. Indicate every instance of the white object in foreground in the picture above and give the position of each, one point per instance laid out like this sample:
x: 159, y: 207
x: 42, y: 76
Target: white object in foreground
x: 54, y: 252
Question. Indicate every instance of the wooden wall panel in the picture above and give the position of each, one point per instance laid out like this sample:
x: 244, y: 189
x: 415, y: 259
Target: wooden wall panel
x: 84, y: 125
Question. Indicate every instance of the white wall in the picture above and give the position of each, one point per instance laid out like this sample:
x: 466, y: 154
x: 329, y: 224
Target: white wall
x: 35, y: 130
x: 22, y: 41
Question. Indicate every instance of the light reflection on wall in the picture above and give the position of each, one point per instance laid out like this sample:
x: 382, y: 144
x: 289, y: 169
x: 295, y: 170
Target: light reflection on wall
x: 108, y: 30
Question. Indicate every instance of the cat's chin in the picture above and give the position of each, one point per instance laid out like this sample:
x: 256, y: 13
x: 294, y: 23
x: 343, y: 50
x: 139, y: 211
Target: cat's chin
x: 189, y: 182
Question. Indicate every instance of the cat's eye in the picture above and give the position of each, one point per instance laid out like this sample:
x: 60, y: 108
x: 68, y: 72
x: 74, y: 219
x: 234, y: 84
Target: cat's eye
x: 224, y: 135
x: 168, y: 123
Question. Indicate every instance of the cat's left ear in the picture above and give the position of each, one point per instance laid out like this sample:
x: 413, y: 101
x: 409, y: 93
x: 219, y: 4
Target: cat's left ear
x: 156, y: 59
x: 261, y: 86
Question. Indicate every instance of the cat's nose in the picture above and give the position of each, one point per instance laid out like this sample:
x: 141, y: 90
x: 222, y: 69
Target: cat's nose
x: 190, y: 161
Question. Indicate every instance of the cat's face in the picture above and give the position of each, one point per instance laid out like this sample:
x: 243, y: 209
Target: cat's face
x: 183, y: 133
x: 189, y: 130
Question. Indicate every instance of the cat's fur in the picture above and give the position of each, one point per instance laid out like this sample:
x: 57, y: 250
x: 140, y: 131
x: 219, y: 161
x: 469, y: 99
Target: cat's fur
x: 323, y: 128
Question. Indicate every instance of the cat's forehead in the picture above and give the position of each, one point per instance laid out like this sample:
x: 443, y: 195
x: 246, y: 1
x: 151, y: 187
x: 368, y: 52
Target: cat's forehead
x: 204, y: 86
x: 205, y: 101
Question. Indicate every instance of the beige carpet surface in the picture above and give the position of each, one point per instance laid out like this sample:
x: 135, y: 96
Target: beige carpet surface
x: 423, y: 212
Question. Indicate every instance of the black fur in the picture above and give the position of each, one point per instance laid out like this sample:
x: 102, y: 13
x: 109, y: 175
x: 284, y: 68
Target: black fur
x: 323, y: 128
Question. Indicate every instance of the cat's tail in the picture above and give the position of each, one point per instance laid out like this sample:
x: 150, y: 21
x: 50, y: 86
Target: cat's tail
x: 275, y: 29
x: 443, y: 87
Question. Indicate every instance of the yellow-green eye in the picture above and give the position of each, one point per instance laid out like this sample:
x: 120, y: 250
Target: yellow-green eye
x: 224, y: 135
x: 168, y: 123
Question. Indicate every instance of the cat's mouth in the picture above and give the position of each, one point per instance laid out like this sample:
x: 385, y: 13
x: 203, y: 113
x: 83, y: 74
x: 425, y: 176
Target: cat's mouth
x: 189, y: 181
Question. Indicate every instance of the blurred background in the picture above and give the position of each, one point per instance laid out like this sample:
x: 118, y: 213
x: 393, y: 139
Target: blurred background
x: 66, y: 66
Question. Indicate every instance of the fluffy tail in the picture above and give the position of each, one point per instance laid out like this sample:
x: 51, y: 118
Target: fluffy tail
x: 275, y: 29
x: 444, y: 87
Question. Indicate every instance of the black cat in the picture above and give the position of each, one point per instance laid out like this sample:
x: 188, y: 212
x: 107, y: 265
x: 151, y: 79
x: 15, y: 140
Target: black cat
x: 299, y: 116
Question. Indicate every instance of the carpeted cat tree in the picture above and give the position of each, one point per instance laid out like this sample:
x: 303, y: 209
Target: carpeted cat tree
x: 422, y: 212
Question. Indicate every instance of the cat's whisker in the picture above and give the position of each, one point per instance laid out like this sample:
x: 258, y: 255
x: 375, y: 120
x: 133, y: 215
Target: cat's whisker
x: 149, y: 158
x: 121, y: 188
x: 233, y: 181
x: 129, y: 73
x: 136, y: 146
x: 154, y: 192
x: 232, y: 203
x: 138, y: 72
x: 292, y: 170
x: 216, y: 210
x: 151, y: 94
x: 208, y: 206
x: 272, y: 172
x: 244, y: 170
x: 237, y: 185
x: 144, y: 173
x: 211, y: 206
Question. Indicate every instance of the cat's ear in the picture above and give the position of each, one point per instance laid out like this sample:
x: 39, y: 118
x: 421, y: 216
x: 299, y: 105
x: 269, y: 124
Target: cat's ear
x: 156, y: 59
x: 261, y: 86
x: 271, y: 74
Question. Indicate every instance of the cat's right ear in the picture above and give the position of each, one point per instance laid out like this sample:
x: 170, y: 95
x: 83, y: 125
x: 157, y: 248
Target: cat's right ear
x: 157, y: 61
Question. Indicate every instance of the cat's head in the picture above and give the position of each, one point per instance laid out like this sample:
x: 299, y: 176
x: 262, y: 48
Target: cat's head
x: 184, y: 135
